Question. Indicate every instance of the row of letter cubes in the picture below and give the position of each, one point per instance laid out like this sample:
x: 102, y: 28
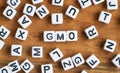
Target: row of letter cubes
x: 111, y: 4
x: 14, y: 67
x: 67, y: 63
x: 57, y: 18
x: 49, y: 36
x: 37, y: 51
x: 60, y: 36
x: 21, y: 34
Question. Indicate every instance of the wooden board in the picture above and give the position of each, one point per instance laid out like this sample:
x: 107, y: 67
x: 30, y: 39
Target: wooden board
x: 86, y: 18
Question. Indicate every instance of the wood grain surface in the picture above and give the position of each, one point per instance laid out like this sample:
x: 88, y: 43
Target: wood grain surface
x: 85, y: 18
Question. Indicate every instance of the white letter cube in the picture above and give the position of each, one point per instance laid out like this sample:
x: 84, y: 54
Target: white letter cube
x: 29, y: 9
x: 5, y: 69
x: 16, y: 50
x: 67, y: 63
x: 92, y: 61
x: 37, y: 52
x: 57, y: 2
x: 56, y: 54
x: 85, y: 3
x: 78, y: 59
x: 72, y: 12
x: 4, y: 32
x: 60, y: 36
x: 24, y: 21
x: 9, y: 12
x: 49, y: 36
x: 42, y: 11
x: 116, y: 60
x: 47, y: 68
x: 112, y: 4
x: 14, y: 3
x: 21, y: 34
x: 91, y: 32
x: 57, y: 18
x: 105, y: 17
x: 110, y: 45
x: 14, y: 66
x: 72, y: 35
x: 27, y: 66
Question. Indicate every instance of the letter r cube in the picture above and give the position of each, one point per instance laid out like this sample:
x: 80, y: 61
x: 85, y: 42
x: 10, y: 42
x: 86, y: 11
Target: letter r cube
x: 91, y: 32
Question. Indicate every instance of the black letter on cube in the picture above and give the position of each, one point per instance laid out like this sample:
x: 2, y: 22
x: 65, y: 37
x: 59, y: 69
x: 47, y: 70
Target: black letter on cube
x: 29, y: 9
x: 21, y: 34
x: 56, y: 1
x: 46, y: 68
x: 26, y: 66
x: 2, y: 33
x: 83, y: 2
